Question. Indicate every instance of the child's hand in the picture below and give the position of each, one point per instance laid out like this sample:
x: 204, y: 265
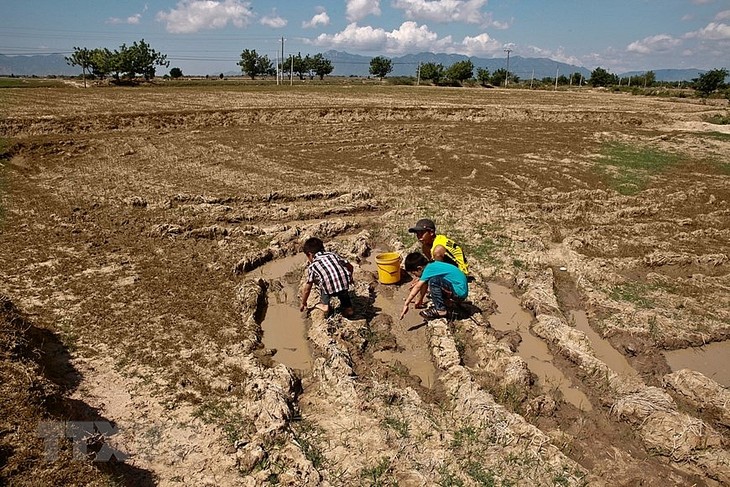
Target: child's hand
x: 303, y: 306
x: 405, y: 310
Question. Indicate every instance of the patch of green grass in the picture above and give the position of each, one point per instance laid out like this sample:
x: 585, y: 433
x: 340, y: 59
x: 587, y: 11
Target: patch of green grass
x: 30, y: 83
x: 717, y: 135
x: 225, y: 415
x: 377, y: 473
x: 482, y: 477
x: 308, y: 436
x: 465, y: 436
x: 632, y: 292
x: 628, y: 169
x: 448, y: 479
x: 719, y: 119
x: 398, y: 425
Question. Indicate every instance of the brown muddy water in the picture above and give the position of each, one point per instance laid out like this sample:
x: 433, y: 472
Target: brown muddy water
x: 284, y: 326
x: 410, y: 332
x: 712, y: 360
x: 602, y: 348
x: 410, y: 335
x: 510, y: 316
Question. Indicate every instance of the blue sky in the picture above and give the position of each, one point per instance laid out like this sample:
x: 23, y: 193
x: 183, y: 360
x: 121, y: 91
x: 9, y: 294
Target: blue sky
x: 207, y: 36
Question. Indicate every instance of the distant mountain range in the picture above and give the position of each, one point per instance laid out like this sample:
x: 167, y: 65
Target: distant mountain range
x: 346, y: 64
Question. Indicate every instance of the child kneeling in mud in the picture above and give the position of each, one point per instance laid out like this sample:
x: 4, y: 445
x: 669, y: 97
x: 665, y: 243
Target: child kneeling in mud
x: 446, y: 283
x: 331, y: 273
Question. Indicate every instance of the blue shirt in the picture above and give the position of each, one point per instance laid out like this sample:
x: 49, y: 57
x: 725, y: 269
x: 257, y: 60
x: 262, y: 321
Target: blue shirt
x: 451, y: 273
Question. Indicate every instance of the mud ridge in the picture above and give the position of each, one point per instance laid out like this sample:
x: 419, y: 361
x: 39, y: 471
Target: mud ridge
x: 130, y: 122
x: 676, y: 435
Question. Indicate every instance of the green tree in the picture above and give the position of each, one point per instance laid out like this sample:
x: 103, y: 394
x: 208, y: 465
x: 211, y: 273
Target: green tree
x: 649, y: 78
x: 575, y: 79
x: 711, y: 81
x: 499, y: 76
x: 80, y: 57
x: 249, y: 62
x: 265, y: 66
x: 432, y: 71
x: 144, y: 60
x: 300, y: 66
x: 102, y: 62
x: 139, y: 58
x: 321, y: 66
x: 460, y: 71
x: 601, y: 77
x: 176, y: 73
x: 483, y: 76
x: 380, y: 66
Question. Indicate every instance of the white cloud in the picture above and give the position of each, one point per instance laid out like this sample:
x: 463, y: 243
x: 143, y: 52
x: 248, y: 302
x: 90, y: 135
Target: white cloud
x: 467, y: 11
x: 724, y: 15
x: 409, y: 37
x: 273, y: 20
x: 359, y: 9
x: 131, y: 20
x: 714, y: 31
x: 657, y: 43
x: 194, y: 15
x: 319, y: 19
x: 479, y: 46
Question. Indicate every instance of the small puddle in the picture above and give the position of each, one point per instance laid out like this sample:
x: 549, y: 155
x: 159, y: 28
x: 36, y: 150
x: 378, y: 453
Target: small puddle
x: 603, y: 349
x: 283, y: 325
x: 712, y: 360
x: 410, y: 336
x: 510, y: 316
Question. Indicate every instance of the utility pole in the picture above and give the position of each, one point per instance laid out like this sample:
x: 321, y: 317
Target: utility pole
x: 532, y: 77
x: 282, y: 60
x: 418, y: 74
x: 506, y: 79
x: 557, y: 69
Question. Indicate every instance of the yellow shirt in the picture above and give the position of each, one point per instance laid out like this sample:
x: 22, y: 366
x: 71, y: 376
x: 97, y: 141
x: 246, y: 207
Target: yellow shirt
x: 454, y: 253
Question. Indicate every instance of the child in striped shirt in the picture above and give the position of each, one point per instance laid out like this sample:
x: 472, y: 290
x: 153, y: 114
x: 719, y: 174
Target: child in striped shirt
x: 332, y: 275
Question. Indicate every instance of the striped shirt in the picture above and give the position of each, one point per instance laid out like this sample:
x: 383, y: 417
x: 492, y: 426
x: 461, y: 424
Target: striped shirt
x: 328, y: 270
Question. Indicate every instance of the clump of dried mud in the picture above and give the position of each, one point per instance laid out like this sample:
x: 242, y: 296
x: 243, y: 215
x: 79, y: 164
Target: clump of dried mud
x: 135, y: 238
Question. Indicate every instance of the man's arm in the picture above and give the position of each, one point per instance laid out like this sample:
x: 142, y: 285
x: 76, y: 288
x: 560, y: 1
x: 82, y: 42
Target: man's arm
x: 438, y: 253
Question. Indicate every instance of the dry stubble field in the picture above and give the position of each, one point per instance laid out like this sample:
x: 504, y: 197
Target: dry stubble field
x: 134, y: 222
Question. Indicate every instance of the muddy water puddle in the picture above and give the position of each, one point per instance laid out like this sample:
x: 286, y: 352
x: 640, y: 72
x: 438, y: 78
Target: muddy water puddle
x: 712, y: 360
x: 283, y: 325
x: 603, y: 349
x: 410, y: 332
x: 510, y: 316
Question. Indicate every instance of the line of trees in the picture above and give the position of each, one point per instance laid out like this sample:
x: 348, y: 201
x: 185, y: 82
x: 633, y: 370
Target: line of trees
x: 124, y: 63
x: 254, y: 64
x: 706, y: 84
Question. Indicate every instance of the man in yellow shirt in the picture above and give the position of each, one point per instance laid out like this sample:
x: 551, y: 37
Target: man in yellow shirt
x: 439, y: 247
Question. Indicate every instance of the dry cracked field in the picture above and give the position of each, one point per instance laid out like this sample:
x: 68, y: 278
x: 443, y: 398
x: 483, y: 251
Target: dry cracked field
x: 150, y: 235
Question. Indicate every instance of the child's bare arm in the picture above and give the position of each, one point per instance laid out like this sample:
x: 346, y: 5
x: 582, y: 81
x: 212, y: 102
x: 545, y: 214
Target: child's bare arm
x: 414, y: 292
x: 305, y: 295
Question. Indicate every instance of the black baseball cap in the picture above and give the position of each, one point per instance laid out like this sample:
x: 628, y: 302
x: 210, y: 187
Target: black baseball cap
x: 423, y: 225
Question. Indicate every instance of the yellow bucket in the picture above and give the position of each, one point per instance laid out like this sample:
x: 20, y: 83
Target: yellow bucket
x: 388, y: 267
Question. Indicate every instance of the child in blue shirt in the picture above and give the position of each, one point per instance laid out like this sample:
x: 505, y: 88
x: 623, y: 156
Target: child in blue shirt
x: 444, y: 281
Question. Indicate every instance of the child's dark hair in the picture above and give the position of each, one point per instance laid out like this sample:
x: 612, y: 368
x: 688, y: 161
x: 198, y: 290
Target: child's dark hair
x: 414, y: 260
x: 312, y: 246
